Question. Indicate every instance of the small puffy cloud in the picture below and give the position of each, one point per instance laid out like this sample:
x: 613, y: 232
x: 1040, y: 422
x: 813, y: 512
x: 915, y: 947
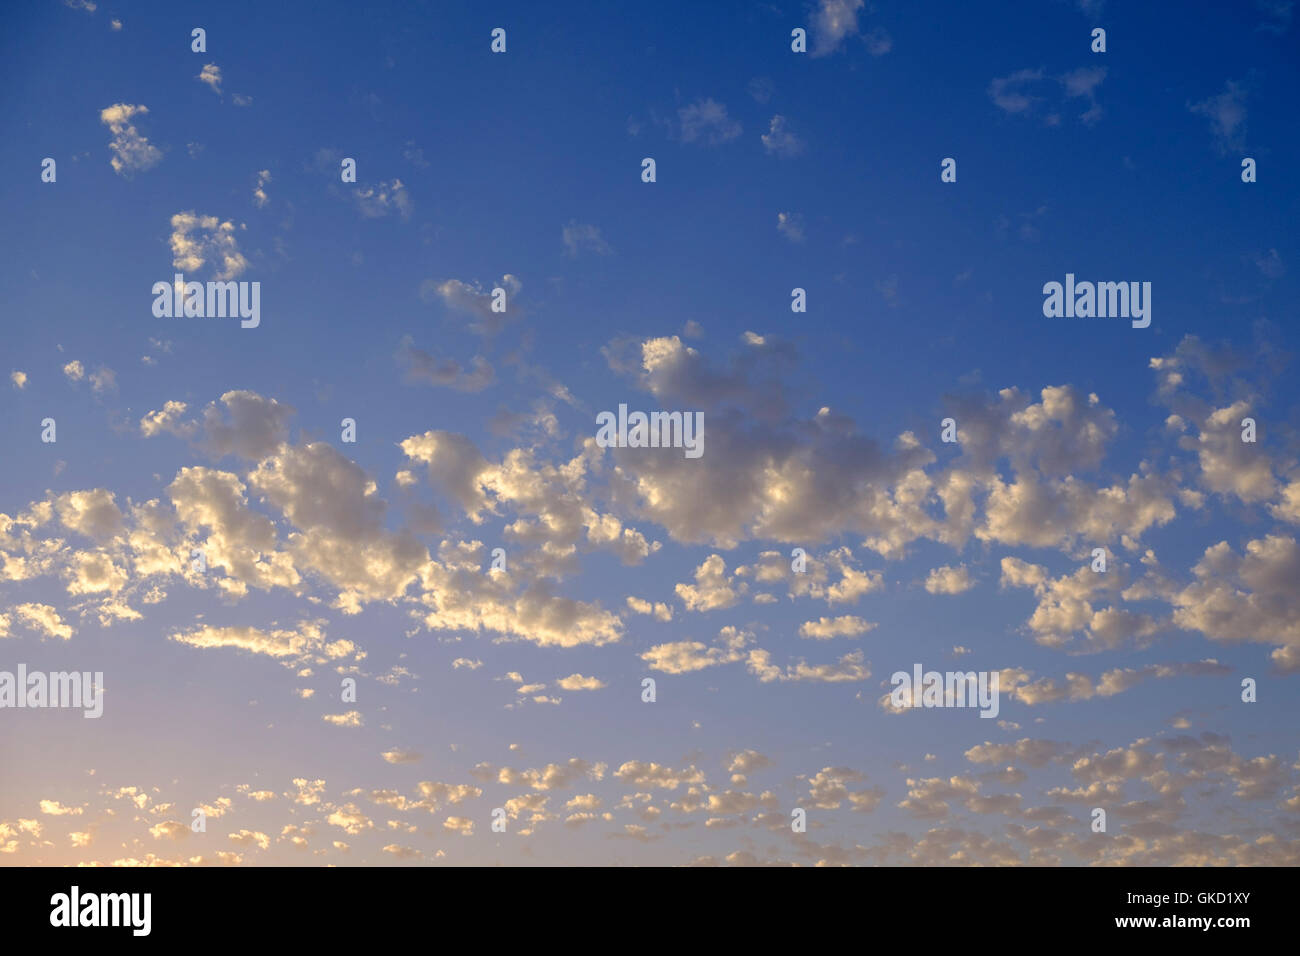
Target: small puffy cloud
x: 74, y: 371
x: 400, y: 756
x: 211, y: 75
x: 661, y: 612
x: 168, y: 420
x: 928, y: 798
x: 553, y: 776
x: 747, y: 761
x: 132, y: 152
x: 250, y: 838
x: 828, y: 789
x: 197, y: 240
x: 683, y: 657
x: 1285, y: 659
x: 712, y: 590
x: 352, y: 718
x: 649, y: 775
x: 309, y: 791
x: 948, y: 580
x: 169, y: 830
x: 828, y: 627
x: 19, y: 379
x: 260, y: 198
x: 402, y: 852
x: 578, y: 682
x: 350, y: 819
x: 1027, y: 751
x: 437, y: 795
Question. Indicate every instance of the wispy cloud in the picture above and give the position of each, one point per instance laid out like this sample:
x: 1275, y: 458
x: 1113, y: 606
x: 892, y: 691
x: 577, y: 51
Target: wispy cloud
x: 1226, y: 112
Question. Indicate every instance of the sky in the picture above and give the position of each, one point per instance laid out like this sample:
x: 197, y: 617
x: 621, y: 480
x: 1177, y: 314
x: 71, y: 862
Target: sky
x: 306, y: 655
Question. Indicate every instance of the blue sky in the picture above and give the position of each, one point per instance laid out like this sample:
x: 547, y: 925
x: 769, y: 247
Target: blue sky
x: 775, y: 170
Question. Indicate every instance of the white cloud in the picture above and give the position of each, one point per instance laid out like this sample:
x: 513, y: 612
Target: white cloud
x: 132, y: 152
x: 260, y: 198
x: 196, y: 240
x: 825, y: 628
x: 400, y: 756
x: 711, y: 590
x: 948, y: 580
x: 352, y: 718
x: 211, y: 75
x: 45, y: 619
x: 168, y: 420
x: 578, y: 682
